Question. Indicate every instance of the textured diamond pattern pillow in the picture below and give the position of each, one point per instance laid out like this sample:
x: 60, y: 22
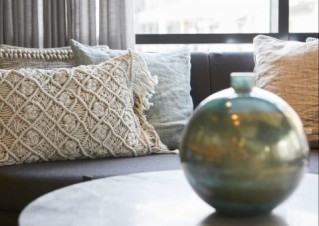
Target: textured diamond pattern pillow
x: 82, y: 112
x: 290, y: 70
x: 172, y: 102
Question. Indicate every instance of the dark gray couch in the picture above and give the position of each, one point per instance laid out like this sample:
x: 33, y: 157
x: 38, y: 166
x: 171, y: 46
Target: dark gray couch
x: 20, y: 184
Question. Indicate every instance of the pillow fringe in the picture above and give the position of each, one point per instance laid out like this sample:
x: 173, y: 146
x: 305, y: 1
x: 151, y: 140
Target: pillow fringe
x: 143, y: 86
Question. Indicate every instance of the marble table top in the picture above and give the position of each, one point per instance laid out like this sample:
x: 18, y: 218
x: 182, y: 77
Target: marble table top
x: 157, y: 199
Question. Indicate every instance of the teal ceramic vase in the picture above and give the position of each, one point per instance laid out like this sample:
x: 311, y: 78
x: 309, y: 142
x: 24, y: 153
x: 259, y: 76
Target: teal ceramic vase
x: 244, y: 150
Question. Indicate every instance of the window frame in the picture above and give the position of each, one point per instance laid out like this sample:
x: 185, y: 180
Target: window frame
x: 229, y: 38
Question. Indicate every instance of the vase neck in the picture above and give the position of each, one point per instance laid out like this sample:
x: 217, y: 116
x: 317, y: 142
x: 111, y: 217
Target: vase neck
x: 242, y: 82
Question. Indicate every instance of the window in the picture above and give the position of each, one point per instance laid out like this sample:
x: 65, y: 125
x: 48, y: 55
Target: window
x: 221, y: 24
x: 202, y: 16
x: 303, y: 16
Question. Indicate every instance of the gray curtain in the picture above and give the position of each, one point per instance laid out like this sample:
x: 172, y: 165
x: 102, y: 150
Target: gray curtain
x: 82, y: 21
x: 19, y: 22
x: 51, y: 23
x: 54, y: 23
x: 117, y: 23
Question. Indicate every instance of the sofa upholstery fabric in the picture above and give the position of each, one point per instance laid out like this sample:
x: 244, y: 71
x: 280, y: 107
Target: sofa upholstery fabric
x: 20, y: 184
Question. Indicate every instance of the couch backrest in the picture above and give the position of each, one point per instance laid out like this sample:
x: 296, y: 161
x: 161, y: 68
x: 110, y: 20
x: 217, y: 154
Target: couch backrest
x: 210, y: 71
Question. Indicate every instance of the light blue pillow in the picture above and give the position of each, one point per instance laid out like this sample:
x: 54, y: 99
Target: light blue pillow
x: 172, y: 102
x: 311, y: 39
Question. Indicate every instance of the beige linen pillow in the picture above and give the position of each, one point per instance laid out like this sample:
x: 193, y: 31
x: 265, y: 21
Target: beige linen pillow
x: 82, y: 112
x: 290, y: 70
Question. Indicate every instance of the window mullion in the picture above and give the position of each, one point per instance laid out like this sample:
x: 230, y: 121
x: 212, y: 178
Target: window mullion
x: 274, y: 16
x: 283, y: 19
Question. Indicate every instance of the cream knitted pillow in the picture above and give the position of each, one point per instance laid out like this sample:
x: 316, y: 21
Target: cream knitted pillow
x: 82, y: 112
x: 15, y: 57
x: 290, y: 70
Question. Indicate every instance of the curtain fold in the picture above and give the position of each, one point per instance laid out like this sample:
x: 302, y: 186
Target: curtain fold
x: 51, y: 23
x: 19, y: 23
x: 54, y: 23
x: 82, y: 21
x: 116, y: 23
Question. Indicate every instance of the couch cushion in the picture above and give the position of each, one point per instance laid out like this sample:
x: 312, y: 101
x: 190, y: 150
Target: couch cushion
x: 222, y: 64
x: 200, y: 77
x: 20, y: 184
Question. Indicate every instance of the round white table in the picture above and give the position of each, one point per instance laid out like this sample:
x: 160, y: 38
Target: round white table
x: 157, y: 199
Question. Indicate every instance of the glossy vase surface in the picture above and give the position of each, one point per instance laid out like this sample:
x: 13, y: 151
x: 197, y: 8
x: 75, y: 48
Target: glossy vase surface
x: 244, y: 150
